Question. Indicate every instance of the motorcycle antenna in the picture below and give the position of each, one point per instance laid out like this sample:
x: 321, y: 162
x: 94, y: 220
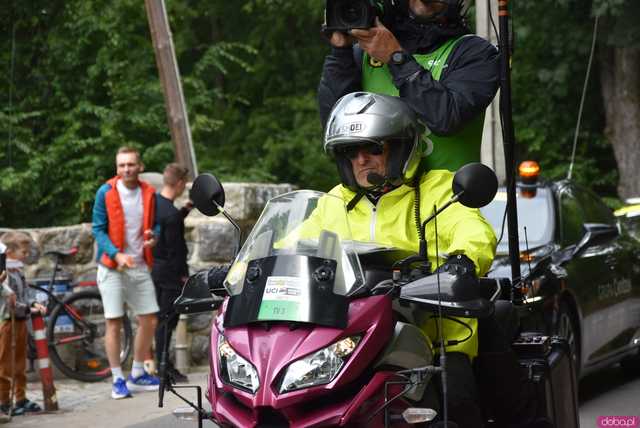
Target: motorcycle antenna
x: 443, y: 358
x: 508, y: 137
x: 584, y: 93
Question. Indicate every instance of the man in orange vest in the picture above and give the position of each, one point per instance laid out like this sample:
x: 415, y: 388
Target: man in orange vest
x: 125, y: 230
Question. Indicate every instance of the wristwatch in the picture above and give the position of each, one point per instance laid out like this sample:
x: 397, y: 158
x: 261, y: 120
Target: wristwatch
x: 399, y: 57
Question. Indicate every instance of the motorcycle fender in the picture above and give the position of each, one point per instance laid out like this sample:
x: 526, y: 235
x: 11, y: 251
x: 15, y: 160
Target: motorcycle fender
x: 408, y: 348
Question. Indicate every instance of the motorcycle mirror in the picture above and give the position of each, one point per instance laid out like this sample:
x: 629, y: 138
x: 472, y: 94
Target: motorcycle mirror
x: 196, y: 297
x: 207, y: 194
x: 476, y: 184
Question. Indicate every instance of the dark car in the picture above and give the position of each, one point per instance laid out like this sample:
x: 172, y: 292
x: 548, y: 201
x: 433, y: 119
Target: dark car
x: 581, y: 269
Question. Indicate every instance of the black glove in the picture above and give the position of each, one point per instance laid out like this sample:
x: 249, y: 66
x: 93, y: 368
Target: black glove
x: 458, y: 265
x: 216, y: 276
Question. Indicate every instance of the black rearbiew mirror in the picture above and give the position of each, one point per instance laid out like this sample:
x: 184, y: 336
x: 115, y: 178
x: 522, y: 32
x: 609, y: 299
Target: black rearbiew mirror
x: 475, y: 184
x: 196, y: 296
x: 596, y: 234
x: 207, y: 194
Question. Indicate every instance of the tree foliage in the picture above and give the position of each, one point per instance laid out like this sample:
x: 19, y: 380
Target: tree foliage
x: 80, y: 80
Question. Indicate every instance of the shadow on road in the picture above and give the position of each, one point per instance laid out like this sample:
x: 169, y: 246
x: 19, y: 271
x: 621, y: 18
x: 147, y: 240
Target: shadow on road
x: 602, y: 382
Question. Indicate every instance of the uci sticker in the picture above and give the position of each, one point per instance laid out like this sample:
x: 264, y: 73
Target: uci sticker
x: 281, y: 299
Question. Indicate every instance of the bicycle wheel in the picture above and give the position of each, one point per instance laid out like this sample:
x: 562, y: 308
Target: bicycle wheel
x: 75, y: 332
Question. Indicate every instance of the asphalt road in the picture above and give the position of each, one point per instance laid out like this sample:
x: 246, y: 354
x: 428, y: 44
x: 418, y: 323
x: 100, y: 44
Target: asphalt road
x: 607, y: 392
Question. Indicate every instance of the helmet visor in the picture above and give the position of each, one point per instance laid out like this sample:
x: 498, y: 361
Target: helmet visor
x: 351, y: 151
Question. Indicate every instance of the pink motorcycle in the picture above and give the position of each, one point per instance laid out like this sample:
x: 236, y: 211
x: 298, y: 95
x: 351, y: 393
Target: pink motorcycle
x: 316, y: 329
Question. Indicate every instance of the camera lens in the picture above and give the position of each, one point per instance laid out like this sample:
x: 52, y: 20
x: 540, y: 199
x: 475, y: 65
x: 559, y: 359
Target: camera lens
x: 348, y: 14
x: 352, y: 12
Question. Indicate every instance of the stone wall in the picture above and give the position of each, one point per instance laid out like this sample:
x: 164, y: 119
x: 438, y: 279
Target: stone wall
x: 211, y: 241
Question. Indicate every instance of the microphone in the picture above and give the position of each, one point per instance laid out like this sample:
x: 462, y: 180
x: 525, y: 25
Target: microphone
x: 375, y: 179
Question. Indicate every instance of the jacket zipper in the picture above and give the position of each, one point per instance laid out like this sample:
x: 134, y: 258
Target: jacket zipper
x: 372, y: 226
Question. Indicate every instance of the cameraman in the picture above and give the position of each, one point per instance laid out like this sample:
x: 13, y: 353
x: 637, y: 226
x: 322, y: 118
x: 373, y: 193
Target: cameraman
x: 423, y: 52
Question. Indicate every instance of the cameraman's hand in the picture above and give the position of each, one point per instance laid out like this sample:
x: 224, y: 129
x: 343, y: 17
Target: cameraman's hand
x: 379, y: 42
x: 339, y: 39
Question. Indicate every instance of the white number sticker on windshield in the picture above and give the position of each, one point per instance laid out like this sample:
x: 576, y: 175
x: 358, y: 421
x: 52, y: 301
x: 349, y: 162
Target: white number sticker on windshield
x: 282, y: 299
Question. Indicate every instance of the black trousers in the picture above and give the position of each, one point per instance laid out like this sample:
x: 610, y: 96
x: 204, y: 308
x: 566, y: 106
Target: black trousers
x: 492, y: 386
x: 462, y: 397
x: 166, y: 297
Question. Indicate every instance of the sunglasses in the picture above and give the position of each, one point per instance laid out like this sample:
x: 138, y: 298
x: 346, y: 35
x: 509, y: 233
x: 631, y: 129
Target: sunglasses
x: 351, y: 152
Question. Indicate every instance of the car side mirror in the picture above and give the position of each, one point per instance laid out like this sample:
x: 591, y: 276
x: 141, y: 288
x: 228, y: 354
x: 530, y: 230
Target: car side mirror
x: 196, y: 297
x: 596, y: 234
x: 475, y: 185
x: 207, y: 194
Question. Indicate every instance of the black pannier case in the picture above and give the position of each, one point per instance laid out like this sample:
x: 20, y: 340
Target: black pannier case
x: 550, y: 368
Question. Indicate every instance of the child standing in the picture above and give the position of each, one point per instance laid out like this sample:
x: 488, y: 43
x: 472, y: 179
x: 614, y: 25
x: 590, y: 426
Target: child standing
x: 17, y: 250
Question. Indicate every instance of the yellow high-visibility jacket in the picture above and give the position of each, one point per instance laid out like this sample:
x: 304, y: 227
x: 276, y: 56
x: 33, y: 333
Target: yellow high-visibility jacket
x: 391, y: 222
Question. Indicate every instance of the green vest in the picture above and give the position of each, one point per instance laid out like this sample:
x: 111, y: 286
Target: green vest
x: 439, y: 152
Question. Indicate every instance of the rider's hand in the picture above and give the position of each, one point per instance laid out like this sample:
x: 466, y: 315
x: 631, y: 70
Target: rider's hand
x: 458, y: 265
x: 216, y: 276
x: 378, y: 41
x: 124, y: 261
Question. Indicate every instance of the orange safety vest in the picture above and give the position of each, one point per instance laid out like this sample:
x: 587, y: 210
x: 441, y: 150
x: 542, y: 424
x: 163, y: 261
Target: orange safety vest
x: 115, y: 215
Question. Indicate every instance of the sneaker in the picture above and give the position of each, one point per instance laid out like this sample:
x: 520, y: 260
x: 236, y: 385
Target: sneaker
x: 28, y: 406
x: 145, y: 382
x: 177, y: 376
x: 6, y: 408
x: 119, y: 389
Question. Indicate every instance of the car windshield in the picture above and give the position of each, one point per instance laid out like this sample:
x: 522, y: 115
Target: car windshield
x: 535, y: 214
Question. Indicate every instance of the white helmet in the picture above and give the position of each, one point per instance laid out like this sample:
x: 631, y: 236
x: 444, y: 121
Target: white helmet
x: 363, y: 118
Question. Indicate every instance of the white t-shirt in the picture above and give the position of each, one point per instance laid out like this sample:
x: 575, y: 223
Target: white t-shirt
x: 131, y: 201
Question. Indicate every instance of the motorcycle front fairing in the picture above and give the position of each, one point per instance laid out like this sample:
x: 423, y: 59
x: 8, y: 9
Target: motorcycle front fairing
x: 297, y: 265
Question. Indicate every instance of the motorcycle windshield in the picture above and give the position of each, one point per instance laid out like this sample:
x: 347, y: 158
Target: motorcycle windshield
x: 298, y: 263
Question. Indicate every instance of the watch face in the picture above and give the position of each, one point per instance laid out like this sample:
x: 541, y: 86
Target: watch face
x: 398, y: 57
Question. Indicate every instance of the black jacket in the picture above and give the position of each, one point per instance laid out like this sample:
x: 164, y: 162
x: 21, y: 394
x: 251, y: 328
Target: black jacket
x: 465, y: 89
x: 170, y: 252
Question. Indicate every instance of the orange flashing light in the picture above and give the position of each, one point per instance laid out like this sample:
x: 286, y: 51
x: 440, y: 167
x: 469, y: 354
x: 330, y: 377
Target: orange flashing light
x: 529, y: 170
x: 526, y: 257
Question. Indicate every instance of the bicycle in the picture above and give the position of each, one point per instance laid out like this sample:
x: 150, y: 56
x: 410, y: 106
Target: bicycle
x: 76, y: 327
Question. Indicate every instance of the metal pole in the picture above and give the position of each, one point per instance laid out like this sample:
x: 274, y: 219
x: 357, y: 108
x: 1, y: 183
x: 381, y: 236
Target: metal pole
x: 182, y: 347
x: 171, y: 86
x: 509, y: 139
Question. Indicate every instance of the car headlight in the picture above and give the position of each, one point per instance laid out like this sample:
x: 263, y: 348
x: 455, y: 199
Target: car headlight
x: 320, y: 367
x: 235, y: 369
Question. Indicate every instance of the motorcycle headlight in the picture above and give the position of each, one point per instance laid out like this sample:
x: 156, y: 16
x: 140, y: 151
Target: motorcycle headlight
x: 235, y: 369
x: 320, y: 367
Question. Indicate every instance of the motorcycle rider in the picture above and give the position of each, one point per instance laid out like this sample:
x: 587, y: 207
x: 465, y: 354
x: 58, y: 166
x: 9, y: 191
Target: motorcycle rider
x: 374, y: 141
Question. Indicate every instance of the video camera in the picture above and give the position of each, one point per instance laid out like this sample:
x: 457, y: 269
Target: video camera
x: 345, y: 15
